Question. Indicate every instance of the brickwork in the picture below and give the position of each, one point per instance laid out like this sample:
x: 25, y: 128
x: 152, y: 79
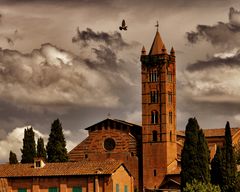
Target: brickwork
x: 125, y: 150
x: 158, y: 113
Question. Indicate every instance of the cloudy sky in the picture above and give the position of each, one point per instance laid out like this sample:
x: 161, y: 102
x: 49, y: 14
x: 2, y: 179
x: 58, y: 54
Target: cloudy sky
x: 67, y: 59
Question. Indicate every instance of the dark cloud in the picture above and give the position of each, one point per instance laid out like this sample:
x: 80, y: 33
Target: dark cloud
x: 221, y: 34
x: 214, y: 80
x: 113, y: 40
x: 215, y: 62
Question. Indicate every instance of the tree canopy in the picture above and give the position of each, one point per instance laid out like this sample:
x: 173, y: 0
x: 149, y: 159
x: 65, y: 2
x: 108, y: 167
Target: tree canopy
x: 12, y: 158
x: 195, y: 155
x: 41, y: 151
x: 29, y: 146
x: 56, y: 146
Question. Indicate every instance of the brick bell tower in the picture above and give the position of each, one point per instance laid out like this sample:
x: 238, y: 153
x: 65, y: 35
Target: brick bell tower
x: 158, y: 113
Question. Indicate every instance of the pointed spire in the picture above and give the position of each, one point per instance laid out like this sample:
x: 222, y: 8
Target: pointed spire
x: 143, y: 51
x: 172, y: 51
x: 157, y: 45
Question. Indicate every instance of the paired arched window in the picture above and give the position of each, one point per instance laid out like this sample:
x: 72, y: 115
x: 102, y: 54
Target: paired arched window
x: 154, y: 117
x: 153, y: 76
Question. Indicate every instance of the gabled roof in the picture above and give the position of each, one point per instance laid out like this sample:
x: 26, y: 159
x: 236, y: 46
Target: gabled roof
x: 114, y: 120
x: 157, y: 45
x: 107, y: 167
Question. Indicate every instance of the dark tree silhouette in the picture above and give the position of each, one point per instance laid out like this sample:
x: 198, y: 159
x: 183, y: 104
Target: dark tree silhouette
x: 195, y: 155
x: 41, y: 151
x: 12, y: 158
x: 29, y: 146
x: 56, y: 146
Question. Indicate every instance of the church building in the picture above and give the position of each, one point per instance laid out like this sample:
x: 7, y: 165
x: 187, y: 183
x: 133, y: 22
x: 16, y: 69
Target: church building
x: 118, y: 156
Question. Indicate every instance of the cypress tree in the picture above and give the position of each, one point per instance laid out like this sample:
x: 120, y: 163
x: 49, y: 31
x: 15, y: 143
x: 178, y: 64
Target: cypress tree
x: 29, y: 146
x: 12, y: 158
x: 203, y: 157
x: 229, y: 163
x: 56, y: 146
x: 41, y: 151
x: 195, y: 155
x: 189, y: 153
x: 216, y: 167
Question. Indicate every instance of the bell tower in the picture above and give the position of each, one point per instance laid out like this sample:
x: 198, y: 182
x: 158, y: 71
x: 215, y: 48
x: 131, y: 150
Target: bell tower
x: 158, y: 113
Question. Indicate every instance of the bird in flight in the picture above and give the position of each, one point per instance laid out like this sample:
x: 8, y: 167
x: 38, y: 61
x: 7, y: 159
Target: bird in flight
x: 124, y: 26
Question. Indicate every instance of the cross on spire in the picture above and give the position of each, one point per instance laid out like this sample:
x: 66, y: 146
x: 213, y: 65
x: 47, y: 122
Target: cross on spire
x: 157, y: 25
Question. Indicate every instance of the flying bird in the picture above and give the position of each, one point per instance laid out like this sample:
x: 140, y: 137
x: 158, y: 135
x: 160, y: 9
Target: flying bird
x: 124, y: 26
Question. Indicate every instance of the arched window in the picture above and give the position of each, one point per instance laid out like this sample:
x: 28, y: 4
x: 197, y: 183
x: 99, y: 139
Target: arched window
x: 170, y: 135
x: 154, y: 96
x: 154, y: 136
x: 154, y: 117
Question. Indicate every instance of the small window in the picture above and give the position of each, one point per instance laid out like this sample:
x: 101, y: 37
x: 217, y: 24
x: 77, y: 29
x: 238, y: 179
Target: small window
x: 169, y: 98
x: 117, y: 188
x: 38, y: 163
x: 86, y: 156
x: 154, y: 117
x: 125, y: 188
x: 169, y: 74
x: 53, y: 189
x: 77, y: 189
x: 22, y: 190
x: 154, y: 136
x: 170, y: 135
x: 154, y: 172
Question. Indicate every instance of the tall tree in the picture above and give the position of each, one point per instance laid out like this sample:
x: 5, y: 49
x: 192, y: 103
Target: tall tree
x: 56, y: 146
x: 216, y: 167
x: 203, y: 157
x: 12, y: 158
x: 229, y: 163
x: 195, y: 155
x: 41, y: 151
x: 29, y: 146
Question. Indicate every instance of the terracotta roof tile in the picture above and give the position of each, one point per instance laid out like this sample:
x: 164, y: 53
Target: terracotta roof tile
x: 59, y: 169
x: 220, y: 132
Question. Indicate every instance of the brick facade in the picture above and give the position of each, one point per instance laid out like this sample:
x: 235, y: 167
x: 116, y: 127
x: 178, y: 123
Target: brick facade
x: 158, y: 113
x: 127, y: 141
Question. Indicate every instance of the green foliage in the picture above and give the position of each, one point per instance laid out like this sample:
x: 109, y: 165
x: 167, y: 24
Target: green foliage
x: 29, y: 146
x: 229, y: 163
x: 216, y: 167
x: 203, y: 157
x: 224, y: 168
x: 195, y: 155
x: 41, y: 151
x: 12, y: 158
x: 56, y: 146
x: 196, y: 186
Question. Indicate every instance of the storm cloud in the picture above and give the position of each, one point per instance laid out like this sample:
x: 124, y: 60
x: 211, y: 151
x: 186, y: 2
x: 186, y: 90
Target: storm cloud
x: 215, y: 79
x: 220, y: 34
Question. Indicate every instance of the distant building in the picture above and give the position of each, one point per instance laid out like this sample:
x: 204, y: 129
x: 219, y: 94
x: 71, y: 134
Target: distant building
x: 82, y: 176
x: 150, y: 154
